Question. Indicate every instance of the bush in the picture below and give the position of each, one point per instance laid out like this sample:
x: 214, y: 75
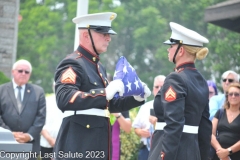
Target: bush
x: 3, y: 78
x: 130, y: 142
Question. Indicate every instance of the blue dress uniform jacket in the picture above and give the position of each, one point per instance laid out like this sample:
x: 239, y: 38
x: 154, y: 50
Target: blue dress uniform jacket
x: 80, y: 85
x: 182, y: 102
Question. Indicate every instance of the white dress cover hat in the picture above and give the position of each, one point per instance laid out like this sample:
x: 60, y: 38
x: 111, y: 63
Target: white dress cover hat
x: 99, y: 22
x: 185, y: 36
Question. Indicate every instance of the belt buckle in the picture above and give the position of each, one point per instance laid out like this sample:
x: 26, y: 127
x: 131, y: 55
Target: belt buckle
x: 107, y: 113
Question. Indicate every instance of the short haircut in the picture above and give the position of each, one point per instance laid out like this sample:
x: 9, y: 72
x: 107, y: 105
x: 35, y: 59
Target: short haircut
x: 22, y: 61
x: 236, y: 76
x: 160, y: 77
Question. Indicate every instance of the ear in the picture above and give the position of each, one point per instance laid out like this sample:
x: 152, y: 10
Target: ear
x: 85, y: 35
x: 181, y: 51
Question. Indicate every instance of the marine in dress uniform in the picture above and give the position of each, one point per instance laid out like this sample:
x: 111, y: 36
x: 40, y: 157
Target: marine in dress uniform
x: 82, y: 94
x: 183, y: 131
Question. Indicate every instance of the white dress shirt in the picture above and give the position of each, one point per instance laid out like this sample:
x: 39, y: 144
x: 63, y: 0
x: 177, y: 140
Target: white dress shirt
x: 16, y: 89
x: 53, y: 122
x: 142, y: 119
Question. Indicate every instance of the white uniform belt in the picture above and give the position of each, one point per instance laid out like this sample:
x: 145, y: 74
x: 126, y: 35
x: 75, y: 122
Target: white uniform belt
x: 186, y: 128
x: 92, y: 111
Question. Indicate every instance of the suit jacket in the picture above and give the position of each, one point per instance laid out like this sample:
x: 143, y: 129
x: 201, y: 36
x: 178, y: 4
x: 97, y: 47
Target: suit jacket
x: 32, y: 117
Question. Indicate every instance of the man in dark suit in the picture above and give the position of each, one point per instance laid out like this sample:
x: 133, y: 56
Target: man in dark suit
x: 23, y: 107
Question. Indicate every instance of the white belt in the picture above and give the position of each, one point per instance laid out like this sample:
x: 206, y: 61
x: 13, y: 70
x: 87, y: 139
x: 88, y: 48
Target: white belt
x: 92, y: 111
x: 186, y: 128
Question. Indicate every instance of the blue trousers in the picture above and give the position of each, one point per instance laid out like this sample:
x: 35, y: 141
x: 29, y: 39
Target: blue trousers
x: 143, y: 153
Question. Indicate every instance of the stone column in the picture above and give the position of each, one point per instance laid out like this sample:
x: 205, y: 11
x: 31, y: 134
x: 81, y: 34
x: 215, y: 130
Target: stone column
x: 9, y: 12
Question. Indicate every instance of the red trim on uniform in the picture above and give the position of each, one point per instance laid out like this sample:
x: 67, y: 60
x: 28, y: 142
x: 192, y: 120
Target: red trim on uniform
x: 69, y: 76
x: 89, y: 60
x: 162, y: 155
x: 99, y: 73
x: 180, y: 70
x: 74, y: 96
x: 84, y: 95
x: 90, y: 52
x: 183, y: 64
x: 170, y: 94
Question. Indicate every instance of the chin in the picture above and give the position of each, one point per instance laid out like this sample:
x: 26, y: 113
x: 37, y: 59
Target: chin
x: 102, y: 51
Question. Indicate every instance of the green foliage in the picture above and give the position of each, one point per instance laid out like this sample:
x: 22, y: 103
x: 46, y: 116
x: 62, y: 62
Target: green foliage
x: 46, y: 36
x: 130, y: 142
x: 3, y: 78
x: 43, y: 38
x: 225, y: 51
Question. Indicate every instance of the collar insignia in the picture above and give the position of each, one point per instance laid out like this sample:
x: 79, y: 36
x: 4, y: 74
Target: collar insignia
x: 179, y: 70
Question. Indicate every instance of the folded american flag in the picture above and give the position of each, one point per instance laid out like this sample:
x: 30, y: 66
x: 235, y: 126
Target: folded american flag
x: 132, y: 84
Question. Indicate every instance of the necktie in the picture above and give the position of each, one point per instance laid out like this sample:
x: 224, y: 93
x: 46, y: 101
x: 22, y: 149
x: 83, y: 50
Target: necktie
x: 19, y: 99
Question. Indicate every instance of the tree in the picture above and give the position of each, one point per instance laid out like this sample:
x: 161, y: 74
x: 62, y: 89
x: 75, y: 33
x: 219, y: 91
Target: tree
x: 46, y: 36
x: 224, y: 52
x: 43, y: 38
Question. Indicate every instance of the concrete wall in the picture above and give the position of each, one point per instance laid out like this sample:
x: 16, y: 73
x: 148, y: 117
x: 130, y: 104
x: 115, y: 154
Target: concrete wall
x: 9, y: 10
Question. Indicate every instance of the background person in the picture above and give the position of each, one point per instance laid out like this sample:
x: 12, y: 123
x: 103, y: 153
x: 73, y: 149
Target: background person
x: 227, y: 127
x: 216, y: 102
x: 84, y: 95
x: 183, y: 130
x: 212, y: 88
x: 143, y: 121
x: 23, y: 106
x: 52, y: 125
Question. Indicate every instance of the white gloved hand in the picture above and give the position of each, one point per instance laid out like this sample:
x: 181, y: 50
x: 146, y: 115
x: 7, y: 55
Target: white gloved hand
x: 115, y: 86
x: 147, y: 93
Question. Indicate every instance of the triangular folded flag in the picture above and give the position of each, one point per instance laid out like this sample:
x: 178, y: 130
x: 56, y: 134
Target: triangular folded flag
x: 132, y: 84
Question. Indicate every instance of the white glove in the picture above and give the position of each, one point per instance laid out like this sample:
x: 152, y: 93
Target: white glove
x: 115, y: 86
x: 147, y: 93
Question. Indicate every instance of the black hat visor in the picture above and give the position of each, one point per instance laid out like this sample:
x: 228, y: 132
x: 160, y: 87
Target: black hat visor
x: 172, y: 41
x: 102, y: 29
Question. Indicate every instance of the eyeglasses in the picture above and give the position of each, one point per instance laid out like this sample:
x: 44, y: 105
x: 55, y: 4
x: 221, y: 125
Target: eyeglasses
x: 229, y: 80
x: 235, y: 94
x: 21, y: 71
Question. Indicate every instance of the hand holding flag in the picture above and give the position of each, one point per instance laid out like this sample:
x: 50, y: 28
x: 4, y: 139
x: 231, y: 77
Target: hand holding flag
x: 133, y: 86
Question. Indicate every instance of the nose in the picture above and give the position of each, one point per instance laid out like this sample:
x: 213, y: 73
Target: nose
x: 108, y: 37
x: 227, y: 82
